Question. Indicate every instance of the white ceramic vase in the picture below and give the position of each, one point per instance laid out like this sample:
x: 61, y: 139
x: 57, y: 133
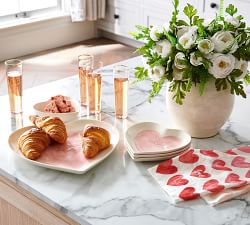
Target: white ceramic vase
x: 201, y: 116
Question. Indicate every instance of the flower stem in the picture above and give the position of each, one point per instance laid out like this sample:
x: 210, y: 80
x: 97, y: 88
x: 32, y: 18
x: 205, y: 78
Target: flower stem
x: 221, y: 13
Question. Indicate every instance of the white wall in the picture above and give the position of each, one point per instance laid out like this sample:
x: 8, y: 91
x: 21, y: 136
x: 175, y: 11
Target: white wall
x: 29, y: 38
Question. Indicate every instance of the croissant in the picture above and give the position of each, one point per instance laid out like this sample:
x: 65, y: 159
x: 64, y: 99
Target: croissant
x: 94, y: 140
x: 53, y: 126
x: 33, y: 142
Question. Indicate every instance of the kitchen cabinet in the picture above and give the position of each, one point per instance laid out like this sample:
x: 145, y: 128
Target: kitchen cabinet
x: 20, y: 207
x: 211, y: 7
x: 122, y: 15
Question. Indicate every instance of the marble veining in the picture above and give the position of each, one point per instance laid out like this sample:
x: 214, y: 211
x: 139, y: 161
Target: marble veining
x: 120, y: 191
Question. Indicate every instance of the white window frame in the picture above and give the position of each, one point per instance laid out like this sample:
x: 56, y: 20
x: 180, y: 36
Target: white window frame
x: 34, y: 15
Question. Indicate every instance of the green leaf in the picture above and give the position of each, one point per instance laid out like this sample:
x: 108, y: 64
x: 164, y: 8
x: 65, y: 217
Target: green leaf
x: 141, y: 73
x: 171, y: 38
x: 189, y: 85
x: 156, y: 87
x: 236, y: 87
x: 231, y: 10
x: 179, y: 94
x: 190, y: 12
x: 247, y: 79
x: 181, y: 23
x: 235, y: 73
x: 243, y: 52
x: 143, y: 32
x: 172, y: 23
x: 203, y: 81
x: 240, y: 17
x: 221, y: 84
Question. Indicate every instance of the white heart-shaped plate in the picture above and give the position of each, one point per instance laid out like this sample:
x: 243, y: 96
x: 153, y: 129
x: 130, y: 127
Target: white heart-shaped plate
x: 76, y: 126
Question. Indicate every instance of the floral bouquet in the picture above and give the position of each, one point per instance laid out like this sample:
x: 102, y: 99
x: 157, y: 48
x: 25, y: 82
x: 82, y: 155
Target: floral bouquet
x: 187, y: 53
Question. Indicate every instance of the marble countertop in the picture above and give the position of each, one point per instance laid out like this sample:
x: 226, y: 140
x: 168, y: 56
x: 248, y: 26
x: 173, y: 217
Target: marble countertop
x: 120, y: 191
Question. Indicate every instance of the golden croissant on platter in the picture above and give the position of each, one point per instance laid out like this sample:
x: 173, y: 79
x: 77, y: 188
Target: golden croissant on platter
x: 94, y: 140
x: 33, y: 142
x: 53, y: 126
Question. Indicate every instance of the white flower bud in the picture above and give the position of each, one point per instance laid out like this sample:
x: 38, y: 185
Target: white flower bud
x: 177, y: 73
x: 162, y: 48
x: 187, y: 36
x: 180, y: 61
x: 206, y: 46
x: 241, y: 65
x: 230, y: 19
x: 156, y: 73
x: 195, y: 61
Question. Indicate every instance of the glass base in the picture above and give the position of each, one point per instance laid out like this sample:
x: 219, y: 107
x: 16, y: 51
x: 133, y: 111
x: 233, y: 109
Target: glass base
x: 121, y: 116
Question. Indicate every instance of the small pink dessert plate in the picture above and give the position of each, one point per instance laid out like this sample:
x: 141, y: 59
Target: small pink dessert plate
x: 151, y: 140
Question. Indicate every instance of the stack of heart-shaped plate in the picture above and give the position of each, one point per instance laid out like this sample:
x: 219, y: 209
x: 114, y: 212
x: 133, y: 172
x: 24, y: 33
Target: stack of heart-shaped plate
x: 150, y: 141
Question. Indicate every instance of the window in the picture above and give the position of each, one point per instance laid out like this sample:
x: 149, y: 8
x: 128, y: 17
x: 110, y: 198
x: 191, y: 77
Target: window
x: 14, y: 10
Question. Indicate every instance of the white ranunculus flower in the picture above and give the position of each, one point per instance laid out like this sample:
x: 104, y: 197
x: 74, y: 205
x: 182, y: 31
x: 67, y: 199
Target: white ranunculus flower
x: 241, y: 65
x: 206, y: 46
x: 222, y: 40
x: 156, y: 29
x: 177, y: 73
x: 187, y: 36
x: 180, y: 61
x: 156, y: 73
x: 230, y: 19
x: 222, y: 65
x: 194, y: 60
x: 162, y: 48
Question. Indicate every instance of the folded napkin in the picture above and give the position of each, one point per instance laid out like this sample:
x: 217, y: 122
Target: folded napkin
x: 197, y: 173
x: 216, y: 198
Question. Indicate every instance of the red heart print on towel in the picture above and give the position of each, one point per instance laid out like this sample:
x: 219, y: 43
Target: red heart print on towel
x: 199, y: 171
x: 233, y: 178
x: 209, y: 153
x: 189, y: 157
x: 245, y: 149
x: 239, y: 161
x: 177, y: 181
x: 213, y: 186
x: 166, y: 167
x: 220, y: 165
x: 248, y: 174
x: 230, y: 152
x: 188, y: 193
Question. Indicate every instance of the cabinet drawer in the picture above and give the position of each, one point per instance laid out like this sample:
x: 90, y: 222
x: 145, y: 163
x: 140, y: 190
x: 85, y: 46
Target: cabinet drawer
x: 120, y: 20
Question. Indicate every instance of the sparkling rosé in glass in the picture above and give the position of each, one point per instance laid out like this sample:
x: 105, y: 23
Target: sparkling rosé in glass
x: 83, y: 85
x: 121, y: 97
x: 85, y: 65
x: 94, y: 81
